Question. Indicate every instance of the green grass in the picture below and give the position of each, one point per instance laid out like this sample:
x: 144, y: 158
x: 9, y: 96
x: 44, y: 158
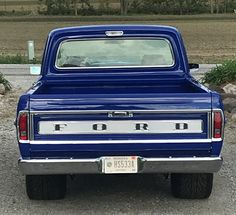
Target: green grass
x: 16, y: 59
x: 226, y: 73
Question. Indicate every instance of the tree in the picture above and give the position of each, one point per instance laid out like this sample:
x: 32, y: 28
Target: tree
x: 57, y: 6
x: 229, y: 6
x: 86, y: 3
x: 188, y: 6
x: 212, y: 6
x: 49, y: 5
x: 124, y: 7
x: 181, y: 3
x: 217, y: 6
x: 75, y: 5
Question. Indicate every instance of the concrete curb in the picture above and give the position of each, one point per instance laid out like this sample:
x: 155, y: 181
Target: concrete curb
x: 16, y: 69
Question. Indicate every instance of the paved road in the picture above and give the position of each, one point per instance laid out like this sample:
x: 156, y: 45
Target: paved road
x: 91, y: 194
x: 24, y: 69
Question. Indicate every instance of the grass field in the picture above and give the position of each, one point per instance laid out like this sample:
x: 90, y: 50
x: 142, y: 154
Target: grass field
x: 208, y: 39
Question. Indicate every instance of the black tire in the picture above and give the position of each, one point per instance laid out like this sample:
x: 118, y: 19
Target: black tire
x: 192, y: 186
x: 46, y: 187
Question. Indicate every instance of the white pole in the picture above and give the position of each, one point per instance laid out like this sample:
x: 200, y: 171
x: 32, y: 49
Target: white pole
x: 31, y: 52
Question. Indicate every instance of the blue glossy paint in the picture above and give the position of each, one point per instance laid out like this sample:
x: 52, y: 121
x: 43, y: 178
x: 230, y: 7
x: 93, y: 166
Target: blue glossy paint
x: 98, y: 150
x: 118, y: 89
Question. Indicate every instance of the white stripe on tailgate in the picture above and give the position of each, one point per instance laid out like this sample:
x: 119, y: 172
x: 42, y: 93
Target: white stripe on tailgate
x: 120, y: 127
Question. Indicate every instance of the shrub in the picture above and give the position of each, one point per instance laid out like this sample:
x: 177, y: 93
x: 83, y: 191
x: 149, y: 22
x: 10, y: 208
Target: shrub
x: 5, y: 83
x: 16, y: 59
x: 223, y: 74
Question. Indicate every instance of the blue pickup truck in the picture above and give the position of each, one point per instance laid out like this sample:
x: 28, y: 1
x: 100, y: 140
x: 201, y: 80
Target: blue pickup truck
x: 118, y: 99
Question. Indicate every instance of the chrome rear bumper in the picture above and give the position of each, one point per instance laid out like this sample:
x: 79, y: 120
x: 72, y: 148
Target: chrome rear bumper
x: 145, y: 165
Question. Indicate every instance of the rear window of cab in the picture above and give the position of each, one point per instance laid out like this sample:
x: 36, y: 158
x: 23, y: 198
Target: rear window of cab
x: 114, y: 53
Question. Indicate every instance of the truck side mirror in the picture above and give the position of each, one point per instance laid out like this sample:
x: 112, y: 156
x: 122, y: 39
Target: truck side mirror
x: 193, y: 66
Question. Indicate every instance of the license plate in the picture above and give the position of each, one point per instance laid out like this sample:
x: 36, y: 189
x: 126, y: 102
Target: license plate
x: 118, y: 165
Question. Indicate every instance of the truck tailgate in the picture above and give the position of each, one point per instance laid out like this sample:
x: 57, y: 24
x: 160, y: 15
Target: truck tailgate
x: 147, y: 125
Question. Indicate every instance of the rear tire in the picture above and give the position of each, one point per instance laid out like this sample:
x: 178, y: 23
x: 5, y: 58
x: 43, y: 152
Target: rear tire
x: 46, y: 187
x: 191, y: 186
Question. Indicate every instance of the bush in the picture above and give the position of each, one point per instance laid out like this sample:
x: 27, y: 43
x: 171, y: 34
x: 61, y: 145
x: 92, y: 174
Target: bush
x: 5, y: 83
x: 169, y: 7
x: 16, y: 59
x: 15, y: 13
x: 226, y: 73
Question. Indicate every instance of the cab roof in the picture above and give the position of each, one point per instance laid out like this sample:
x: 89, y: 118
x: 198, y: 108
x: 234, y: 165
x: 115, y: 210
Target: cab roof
x: 101, y: 29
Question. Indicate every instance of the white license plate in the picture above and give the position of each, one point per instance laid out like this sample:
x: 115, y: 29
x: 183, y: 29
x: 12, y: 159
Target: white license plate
x: 118, y: 165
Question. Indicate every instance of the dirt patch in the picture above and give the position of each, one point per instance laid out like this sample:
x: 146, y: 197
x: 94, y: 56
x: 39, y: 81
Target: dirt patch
x: 207, y: 41
x: 8, y: 103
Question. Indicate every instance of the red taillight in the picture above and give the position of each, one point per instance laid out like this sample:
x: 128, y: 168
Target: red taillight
x: 23, y: 126
x: 217, y: 129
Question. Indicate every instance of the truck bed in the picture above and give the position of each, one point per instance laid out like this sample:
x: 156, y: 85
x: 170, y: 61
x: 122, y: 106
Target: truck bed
x: 118, y: 89
x: 78, y: 104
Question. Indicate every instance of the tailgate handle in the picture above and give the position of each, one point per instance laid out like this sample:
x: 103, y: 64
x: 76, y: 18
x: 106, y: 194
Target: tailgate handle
x: 120, y: 114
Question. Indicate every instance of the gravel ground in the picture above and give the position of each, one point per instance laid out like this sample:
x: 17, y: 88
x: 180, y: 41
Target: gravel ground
x: 142, y: 194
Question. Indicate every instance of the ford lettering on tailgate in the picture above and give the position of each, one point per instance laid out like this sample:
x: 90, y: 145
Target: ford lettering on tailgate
x: 120, y: 127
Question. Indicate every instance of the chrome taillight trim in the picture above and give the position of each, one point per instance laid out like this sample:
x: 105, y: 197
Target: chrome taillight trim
x: 222, y: 126
x: 28, y: 126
